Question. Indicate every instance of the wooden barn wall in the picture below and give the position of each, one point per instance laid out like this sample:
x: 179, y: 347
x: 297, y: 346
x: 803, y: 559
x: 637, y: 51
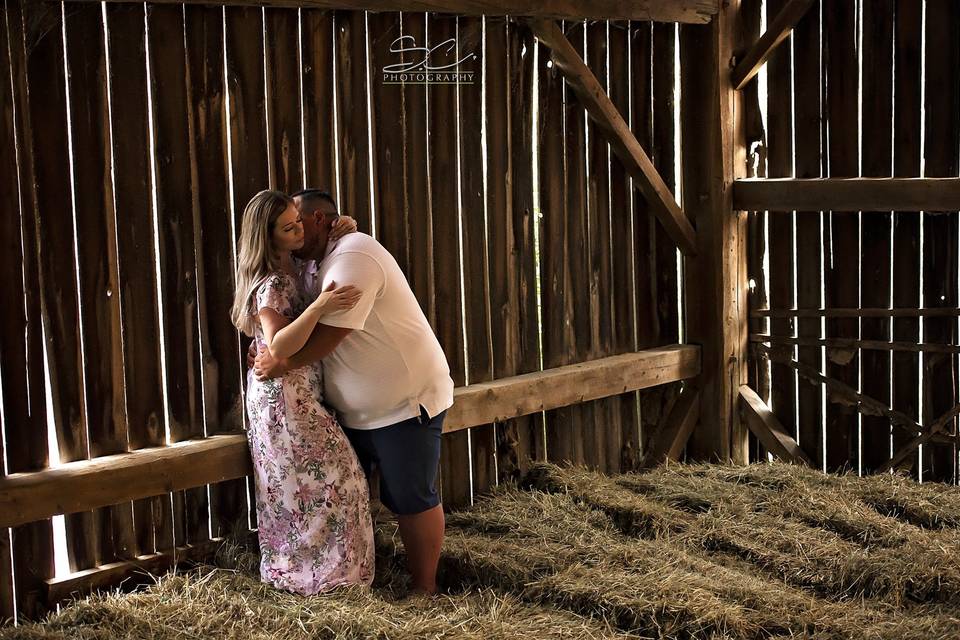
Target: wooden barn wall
x: 521, y: 236
x: 859, y: 89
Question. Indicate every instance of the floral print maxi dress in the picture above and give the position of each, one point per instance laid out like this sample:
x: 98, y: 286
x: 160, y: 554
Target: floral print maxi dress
x: 313, y: 505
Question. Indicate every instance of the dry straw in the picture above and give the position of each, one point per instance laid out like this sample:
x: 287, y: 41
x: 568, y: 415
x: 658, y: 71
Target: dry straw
x: 684, y: 551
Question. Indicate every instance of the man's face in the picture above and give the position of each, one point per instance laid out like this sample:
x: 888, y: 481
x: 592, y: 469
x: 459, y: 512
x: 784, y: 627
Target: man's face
x: 316, y: 228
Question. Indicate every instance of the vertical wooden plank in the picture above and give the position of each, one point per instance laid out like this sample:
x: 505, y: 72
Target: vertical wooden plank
x: 509, y: 86
x: 607, y: 428
x: 178, y: 277
x: 664, y: 146
x: 476, y: 311
x: 809, y: 162
x: 135, y: 250
x: 555, y: 245
x: 780, y: 223
x: 455, y: 460
x: 419, y: 226
x: 625, y: 454
x: 318, y: 96
x: 755, y: 138
x: 209, y: 160
x: 13, y: 366
x: 940, y: 267
x: 521, y: 42
x: 644, y: 223
x: 875, y: 227
x: 577, y: 248
x: 352, y: 133
x: 248, y: 120
x: 22, y: 366
x: 108, y: 532
x: 37, y: 30
x: 56, y: 256
x: 282, y: 59
x: 908, y: 77
x: 715, y: 294
x: 662, y: 260
x: 841, y: 273
x: 248, y: 135
x: 389, y: 124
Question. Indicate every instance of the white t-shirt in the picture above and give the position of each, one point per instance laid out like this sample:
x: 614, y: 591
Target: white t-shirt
x: 391, y: 363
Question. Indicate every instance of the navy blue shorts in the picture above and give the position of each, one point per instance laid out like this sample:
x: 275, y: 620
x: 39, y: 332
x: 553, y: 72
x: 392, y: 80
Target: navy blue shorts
x: 408, y: 455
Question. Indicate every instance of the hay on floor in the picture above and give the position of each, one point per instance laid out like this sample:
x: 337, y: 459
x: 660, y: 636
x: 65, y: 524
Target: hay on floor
x: 683, y: 551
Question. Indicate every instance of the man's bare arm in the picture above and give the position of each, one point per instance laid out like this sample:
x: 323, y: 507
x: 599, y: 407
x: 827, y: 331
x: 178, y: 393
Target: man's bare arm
x: 321, y: 343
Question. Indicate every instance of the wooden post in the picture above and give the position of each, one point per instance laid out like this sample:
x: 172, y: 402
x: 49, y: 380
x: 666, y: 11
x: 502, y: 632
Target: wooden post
x: 715, y: 279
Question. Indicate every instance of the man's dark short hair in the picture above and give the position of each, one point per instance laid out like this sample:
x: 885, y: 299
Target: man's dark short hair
x: 312, y: 197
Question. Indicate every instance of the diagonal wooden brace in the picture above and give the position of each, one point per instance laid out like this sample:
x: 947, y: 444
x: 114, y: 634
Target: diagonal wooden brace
x: 616, y: 131
x: 764, y: 425
x: 749, y: 65
x: 671, y: 438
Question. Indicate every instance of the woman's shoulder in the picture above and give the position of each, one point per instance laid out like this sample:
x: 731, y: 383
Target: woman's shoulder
x: 277, y: 281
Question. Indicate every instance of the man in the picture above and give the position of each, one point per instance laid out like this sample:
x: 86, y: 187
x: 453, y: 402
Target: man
x: 384, y: 373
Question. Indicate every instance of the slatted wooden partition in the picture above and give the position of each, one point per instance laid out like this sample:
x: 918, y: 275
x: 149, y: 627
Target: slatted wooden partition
x: 900, y: 58
x: 133, y: 136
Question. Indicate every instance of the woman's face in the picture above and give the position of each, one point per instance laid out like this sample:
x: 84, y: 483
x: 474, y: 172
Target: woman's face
x: 288, y: 230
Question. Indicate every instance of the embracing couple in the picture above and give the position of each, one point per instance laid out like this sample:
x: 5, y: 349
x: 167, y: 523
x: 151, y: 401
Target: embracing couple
x: 347, y: 372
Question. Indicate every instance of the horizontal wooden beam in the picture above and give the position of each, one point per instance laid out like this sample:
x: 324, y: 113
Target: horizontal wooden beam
x: 854, y: 343
x: 499, y: 400
x: 764, y: 425
x: 617, y: 132
x: 749, y: 65
x: 688, y: 11
x: 88, y: 484
x: 930, y: 312
x: 847, y: 194
x: 668, y: 442
x: 136, y: 570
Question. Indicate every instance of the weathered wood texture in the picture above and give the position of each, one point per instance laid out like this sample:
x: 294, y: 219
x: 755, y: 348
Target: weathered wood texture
x: 445, y: 203
x: 558, y: 233
x: 25, y: 415
x: 247, y: 127
x: 353, y: 131
x: 695, y: 11
x: 86, y: 484
x: 131, y: 283
x: 908, y: 78
x: 939, y: 229
x: 764, y: 424
x: 611, y: 125
x: 668, y: 443
x: 880, y: 231
x: 809, y: 162
x: 758, y: 376
x: 877, y: 158
x: 780, y: 224
x: 476, y: 282
x: 656, y: 272
x: 716, y: 315
x: 781, y: 18
x: 111, y: 529
x: 875, y: 196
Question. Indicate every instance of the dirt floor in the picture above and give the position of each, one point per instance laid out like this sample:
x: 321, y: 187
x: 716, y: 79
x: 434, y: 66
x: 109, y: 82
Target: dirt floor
x: 685, y: 551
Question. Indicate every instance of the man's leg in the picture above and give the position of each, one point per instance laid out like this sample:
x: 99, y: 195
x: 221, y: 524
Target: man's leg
x: 422, y: 535
x: 409, y: 453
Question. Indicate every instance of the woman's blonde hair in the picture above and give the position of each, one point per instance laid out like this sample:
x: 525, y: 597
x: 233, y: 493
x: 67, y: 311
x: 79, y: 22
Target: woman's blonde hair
x: 256, y: 258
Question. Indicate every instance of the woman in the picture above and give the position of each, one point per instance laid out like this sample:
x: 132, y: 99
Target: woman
x: 312, y: 496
